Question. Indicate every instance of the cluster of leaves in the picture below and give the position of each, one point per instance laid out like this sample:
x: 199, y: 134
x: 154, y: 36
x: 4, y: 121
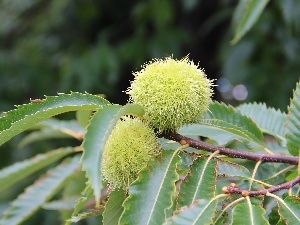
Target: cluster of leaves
x: 181, y: 187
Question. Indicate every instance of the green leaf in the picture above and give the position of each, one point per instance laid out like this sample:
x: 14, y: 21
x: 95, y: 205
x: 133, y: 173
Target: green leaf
x: 291, y: 175
x: 20, y: 170
x: 230, y: 169
x: 151, y: 194
x: 221, y: 136
x: 226, y: 118
x: 274, y: 216
x: 113, y: 207
x: 200, y: 182
x: 41, y: 135
x: 38, y: 193
x: 201, y: 212
x: 293, y: 124
x: 281, y: 222
x: 86, y: 195
x: 269, y: 120
x: 289, y: 209
x: 53, y: 128
x: 25, y: 116
x: 248, y: 214
x: 83, y: 117
x: 69, y: 127
x: 63, y: 204
x: 98, y: 131
x: 247, y: 14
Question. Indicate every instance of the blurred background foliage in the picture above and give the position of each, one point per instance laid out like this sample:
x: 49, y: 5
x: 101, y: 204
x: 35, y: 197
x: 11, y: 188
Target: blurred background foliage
x: 93, y: 45
x: 55, y: 46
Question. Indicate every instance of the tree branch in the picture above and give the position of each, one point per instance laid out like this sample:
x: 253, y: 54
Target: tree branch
x: 233, y: 153
x: 234, y: 189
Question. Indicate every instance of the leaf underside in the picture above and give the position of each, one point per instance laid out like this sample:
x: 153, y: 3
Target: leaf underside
x: 228, y: 120
x: 41, y: 135
x: 269, y: 120
x: 220, y: 136
x: 38, y: 193
x: 69, y: 127
x: 20, y: 170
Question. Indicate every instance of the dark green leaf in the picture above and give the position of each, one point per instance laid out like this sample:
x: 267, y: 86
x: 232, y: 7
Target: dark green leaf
x: 293, y: 123
x: 25, y: 116
x: 151, y: 194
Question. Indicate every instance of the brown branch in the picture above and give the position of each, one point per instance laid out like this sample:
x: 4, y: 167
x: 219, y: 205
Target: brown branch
x: 233, y: 153
x: 287, y: 185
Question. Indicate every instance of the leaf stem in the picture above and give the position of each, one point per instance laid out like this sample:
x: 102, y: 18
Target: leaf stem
x: 250, y: 209
x: 253, y: 174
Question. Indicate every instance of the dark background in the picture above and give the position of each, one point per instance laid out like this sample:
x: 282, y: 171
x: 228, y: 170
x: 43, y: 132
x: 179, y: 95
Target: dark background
x: 53, y: 46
